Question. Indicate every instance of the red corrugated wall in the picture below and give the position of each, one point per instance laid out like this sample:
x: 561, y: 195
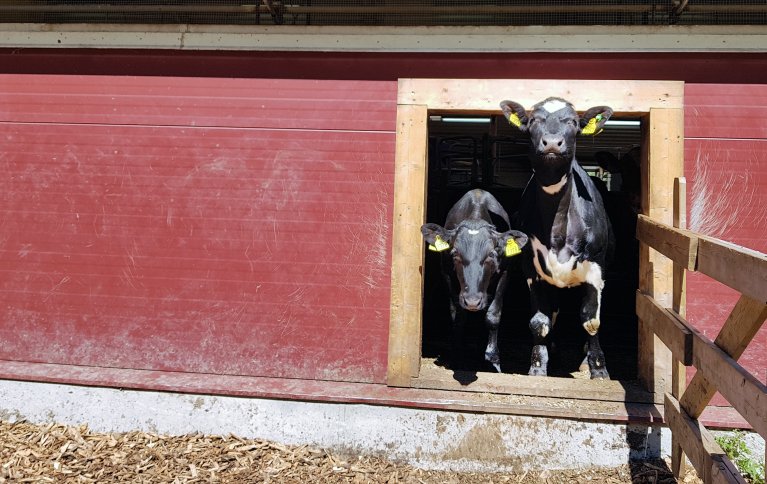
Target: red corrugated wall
x: 726, y: 170
x: 223, y: 226
x: 243, y: 226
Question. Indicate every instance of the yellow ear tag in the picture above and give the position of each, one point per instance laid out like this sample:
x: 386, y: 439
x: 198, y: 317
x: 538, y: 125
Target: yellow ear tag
x: 591, y: 127
x: 514, y: 119
x: 439, y: 245
x: 512, y: 248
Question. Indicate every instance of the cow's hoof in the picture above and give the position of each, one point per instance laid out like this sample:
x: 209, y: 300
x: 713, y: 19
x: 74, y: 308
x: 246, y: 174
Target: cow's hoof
x: 494, y: 360
x: 537, y: 371
x: 599, y: 374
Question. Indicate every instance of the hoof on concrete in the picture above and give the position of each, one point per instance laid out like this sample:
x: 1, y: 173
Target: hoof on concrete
x: 537, y: 371
x: 600, y: 374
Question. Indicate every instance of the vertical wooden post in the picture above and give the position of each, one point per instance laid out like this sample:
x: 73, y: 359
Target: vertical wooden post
x: 407, y: 245
x: 679, y: 305
x: 662, y: 162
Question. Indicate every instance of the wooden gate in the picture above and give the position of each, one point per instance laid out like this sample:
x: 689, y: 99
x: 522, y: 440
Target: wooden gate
x: 715, y: 361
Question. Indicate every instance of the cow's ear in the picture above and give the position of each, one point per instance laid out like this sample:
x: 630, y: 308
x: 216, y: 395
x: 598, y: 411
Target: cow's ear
x: 437, y: 237
x: 510, y: 243
x: 594, y: 119
x: 516, y: 114
x: 608, y: 161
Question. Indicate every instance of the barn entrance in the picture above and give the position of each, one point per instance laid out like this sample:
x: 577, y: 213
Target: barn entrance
x: 437, y: 160
x: 467, y: 152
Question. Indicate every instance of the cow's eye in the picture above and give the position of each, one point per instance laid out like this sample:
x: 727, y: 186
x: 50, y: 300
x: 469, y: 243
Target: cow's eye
x: 490, y: 258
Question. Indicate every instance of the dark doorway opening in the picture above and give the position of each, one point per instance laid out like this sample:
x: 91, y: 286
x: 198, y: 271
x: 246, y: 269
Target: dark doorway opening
x: 467, y: 152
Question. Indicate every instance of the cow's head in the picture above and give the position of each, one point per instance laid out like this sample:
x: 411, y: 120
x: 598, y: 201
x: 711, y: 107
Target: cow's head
x: 477, y: 250
x: 552, y: 125
x: 628, y: 167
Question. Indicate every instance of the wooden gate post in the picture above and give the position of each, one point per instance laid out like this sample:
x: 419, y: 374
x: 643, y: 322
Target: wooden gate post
x: 662, y: 162
x: 679, y: 305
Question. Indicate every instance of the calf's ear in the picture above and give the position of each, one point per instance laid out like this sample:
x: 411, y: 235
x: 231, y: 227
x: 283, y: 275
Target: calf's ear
x: 607, y: 161
x: 510, y: 243
x: 437, y: 237
x: 516, y: 114
x: 594, y: 119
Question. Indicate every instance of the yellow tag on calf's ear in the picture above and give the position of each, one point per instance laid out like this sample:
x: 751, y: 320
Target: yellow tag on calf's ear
x: 591, y: 126
x: 514, y: 119
x: 439, y: 245
x: 512, y: 248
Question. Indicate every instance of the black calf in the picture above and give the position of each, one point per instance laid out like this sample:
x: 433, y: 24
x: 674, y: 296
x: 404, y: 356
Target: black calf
x: 571, y: 240
x: 474, y: 261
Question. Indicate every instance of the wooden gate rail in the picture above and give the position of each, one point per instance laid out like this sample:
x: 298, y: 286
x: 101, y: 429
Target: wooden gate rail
x: 745, y: 271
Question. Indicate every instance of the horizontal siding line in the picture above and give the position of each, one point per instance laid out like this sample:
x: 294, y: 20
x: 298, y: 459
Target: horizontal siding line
x: 217, y: 369
x: 319, y: 95
x: 192, y: 173
x: 199, y: 319
x: 693, y: 138
x: 184, y: 232
x: 233, y: 325
x: 188, y: 126
x: 143, y: 299
x: 139, y: 272
x: 216, y: 203
x: 144, y: 280
x: 330, y: 275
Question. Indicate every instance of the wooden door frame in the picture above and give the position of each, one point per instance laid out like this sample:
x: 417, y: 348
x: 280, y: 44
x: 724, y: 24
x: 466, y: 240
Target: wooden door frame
x: 658, y: 103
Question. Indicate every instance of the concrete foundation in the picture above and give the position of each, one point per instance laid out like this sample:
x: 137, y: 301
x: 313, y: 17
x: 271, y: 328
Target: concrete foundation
x: 425, y: 438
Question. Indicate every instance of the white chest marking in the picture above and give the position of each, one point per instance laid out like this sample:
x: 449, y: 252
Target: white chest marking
x: 554, y: 106
x: 472, y: 232
x: 552, y: 189
x: 567, y: 272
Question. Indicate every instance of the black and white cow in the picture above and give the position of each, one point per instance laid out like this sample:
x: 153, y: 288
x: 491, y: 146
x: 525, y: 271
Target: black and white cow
x: 474, y: 262
x: 561, y: 210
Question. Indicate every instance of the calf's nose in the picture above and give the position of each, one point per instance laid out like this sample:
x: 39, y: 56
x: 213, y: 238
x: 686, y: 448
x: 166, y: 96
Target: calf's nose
x: 551, y: 143
x: 473, y: 302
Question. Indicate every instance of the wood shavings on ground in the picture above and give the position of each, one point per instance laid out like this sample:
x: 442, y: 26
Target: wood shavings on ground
x: 74, y: 454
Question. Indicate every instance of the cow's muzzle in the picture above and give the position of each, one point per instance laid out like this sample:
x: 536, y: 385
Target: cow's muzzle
x: 473, y: 302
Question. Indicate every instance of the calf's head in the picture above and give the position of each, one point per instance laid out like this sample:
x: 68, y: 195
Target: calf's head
x: 477, y: 250
x: 552, y: 125
x: 628, y: 167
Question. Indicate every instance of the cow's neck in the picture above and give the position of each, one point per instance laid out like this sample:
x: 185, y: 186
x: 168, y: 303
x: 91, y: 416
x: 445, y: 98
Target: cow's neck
x: 553, y: 186
x: 554, y: 199
x: 551, y: 173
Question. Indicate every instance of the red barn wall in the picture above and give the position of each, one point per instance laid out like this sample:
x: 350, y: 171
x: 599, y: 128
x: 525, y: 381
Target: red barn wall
x: 726, y: 170
x: 242, y: 226
x: 222, y: 226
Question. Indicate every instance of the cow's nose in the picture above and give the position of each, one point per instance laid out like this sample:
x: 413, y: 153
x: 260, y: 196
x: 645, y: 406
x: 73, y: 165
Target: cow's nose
x: 552, y: 143
x: 473, y: 302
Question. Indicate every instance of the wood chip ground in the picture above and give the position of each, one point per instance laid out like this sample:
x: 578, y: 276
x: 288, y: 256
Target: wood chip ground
x: 68, y: 454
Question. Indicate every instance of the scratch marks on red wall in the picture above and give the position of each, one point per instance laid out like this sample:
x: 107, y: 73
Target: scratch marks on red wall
x: 220, y: 226
x: 726, y: 169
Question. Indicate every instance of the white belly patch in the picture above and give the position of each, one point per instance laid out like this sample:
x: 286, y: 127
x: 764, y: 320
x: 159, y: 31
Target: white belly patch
x: 567, y: 272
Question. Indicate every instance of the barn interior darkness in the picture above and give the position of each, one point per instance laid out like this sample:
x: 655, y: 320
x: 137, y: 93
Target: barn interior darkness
x: 468, y: 152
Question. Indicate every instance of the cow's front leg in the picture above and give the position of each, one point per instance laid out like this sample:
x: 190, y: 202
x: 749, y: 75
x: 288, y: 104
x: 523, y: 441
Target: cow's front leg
x: 493, y: 322
x: 544, y: 304
x: 458, y: 316
x: 590, y: 320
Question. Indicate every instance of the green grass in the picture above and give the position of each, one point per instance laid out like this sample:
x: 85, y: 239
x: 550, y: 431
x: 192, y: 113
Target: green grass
x: 734, y: 445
